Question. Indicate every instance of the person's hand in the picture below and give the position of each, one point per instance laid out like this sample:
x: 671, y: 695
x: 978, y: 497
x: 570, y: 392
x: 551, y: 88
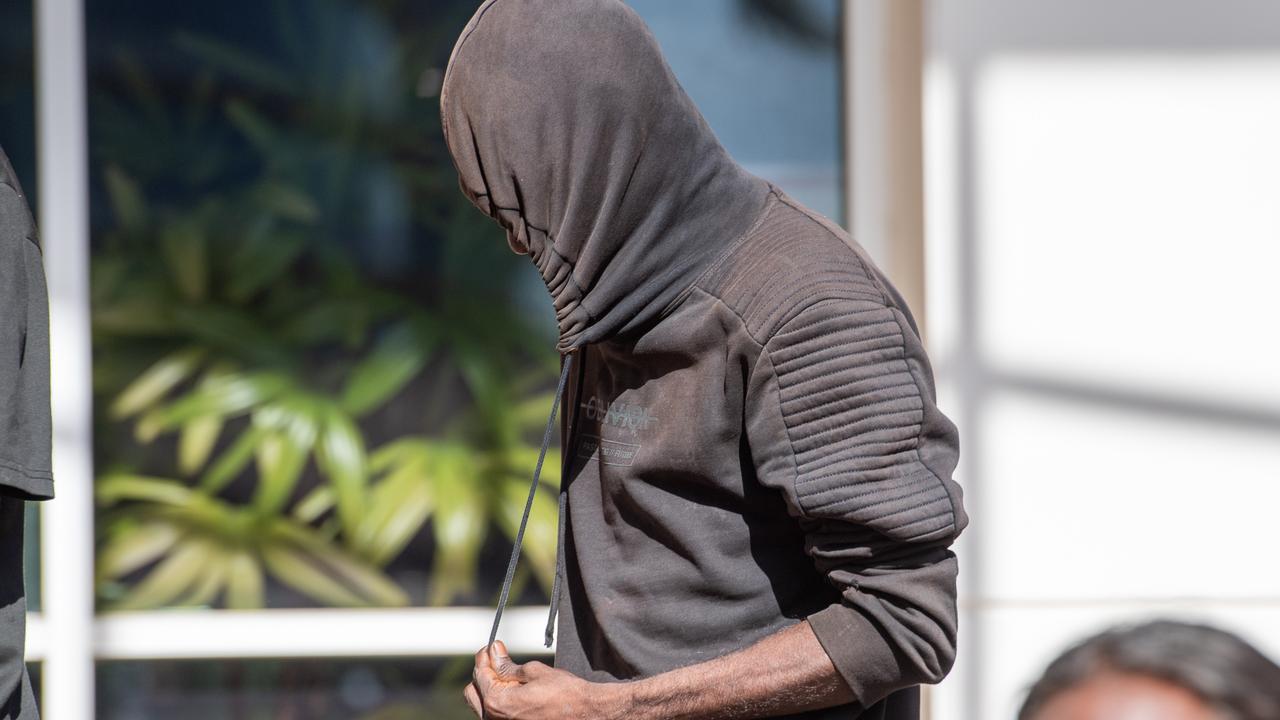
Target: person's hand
x: 501, y: 689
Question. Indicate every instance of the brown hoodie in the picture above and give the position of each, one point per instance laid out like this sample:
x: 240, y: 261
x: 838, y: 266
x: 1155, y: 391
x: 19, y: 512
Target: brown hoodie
x: 750, y: 435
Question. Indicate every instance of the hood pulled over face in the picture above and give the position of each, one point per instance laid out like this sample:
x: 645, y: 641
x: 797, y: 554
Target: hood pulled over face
x: 567, y: 126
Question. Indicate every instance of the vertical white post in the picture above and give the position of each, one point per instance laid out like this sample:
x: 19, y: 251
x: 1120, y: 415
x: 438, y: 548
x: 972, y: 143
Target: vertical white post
x: 67, y: 521
x: 884, y: 140
x: 863, y: 92
x: 884, y: 50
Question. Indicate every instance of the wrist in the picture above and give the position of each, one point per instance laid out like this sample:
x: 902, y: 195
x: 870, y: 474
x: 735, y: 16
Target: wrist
x: 615, y: 701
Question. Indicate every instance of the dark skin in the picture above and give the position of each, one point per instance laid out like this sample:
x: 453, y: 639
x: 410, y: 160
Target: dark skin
x: 1119, y: 696
x: 786, y: 672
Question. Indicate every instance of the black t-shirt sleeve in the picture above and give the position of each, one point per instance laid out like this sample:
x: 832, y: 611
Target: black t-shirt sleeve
x: 25, y: 422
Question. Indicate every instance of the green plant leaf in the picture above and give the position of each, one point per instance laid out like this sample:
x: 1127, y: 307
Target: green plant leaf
x: 280, y: 463
x: 259, y: 72
x: 399, y: 505
x: 459, y: 526
x: 126, y: 199
x: 212, y: 515
x: 524, y: 458
x: 399, y: 355
x: 540, y: 534
x: 113, y: 488
x: 334, y: 319
x: 171, y: 577
x: 482, y: 377
x: 264, y: 255
x: 256, y: 129
x: 399, y: 452
x: 232, y: 330
x: 149, y: 426
x: 342, y: 458
x: 302, y: 572
x: 142, y: 90
x: 286, y: 201
x: 227, y: 394
x: 531, y: 415
x: 232, y: 461
x: 183, y: 246
x: 360, y: 576
x: 133, y: 316
x: 366, y: 580
x: 314, y: 504
x: 168, y: 499
x: 210, y: 583
x: 244, y: 582
x: 134, y: 547
x: 155, y: 381
x: 199, y: 434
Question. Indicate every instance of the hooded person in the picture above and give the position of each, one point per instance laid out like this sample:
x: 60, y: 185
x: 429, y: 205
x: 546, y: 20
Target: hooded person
x: 757, y: 501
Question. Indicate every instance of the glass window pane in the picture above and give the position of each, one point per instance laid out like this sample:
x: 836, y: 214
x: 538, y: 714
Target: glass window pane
x: 350, y: 689
x: 294, y: 310
x: 17, y: 91
x: 306, y: 342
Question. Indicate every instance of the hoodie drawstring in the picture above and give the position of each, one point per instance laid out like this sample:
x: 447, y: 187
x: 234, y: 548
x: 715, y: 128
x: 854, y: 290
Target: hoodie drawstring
x: 524, y: 521
x: 555, y: 582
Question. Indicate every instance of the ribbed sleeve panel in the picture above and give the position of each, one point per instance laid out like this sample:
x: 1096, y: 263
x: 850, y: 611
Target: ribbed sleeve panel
x: 850, y: 375
x: 854, y: 414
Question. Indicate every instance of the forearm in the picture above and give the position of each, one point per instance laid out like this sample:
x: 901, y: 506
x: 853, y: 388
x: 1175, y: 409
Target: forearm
x: 786, y: 672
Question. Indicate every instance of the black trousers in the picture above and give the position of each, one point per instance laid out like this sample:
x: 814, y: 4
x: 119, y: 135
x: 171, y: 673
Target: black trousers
x: 17, y: 702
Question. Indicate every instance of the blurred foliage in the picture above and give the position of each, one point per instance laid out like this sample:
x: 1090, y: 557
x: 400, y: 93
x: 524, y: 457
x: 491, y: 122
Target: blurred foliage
x: 306, y: 352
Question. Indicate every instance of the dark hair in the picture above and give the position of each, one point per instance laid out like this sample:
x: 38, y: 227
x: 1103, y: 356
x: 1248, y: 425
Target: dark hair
x: 1225, y: 672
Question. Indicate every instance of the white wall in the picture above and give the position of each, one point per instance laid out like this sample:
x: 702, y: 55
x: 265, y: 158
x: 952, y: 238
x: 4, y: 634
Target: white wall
x: 1103, y: 190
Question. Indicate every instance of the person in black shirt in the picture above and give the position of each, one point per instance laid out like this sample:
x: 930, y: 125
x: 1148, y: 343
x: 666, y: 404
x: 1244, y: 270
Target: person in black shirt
x: 25, y: 425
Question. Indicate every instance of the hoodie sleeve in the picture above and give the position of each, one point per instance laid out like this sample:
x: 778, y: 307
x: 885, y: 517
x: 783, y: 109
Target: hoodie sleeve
x: 841, y: 418
x: 25, y: 422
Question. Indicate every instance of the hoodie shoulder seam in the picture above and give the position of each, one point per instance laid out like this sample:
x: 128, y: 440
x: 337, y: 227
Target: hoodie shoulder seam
x: 770, y: 198
x: 699, y: 283
x: 786, y: 265
x: 834, y: 232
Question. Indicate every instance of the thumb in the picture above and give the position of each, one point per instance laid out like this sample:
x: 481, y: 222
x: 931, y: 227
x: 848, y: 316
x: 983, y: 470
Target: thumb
x: 501, y: 659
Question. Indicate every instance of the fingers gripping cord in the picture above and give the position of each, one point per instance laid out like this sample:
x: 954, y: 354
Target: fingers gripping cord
x: 524, y: 520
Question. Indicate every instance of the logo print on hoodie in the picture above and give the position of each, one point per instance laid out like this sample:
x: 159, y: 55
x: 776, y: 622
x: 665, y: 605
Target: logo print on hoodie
x: 627, y: 416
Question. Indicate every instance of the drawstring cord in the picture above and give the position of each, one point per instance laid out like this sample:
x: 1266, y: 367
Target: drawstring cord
x: 555, y: 583
x: 524, y: 520
x: 571, y: 415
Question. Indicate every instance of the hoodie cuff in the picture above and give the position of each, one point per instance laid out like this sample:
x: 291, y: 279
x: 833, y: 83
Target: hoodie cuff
x: 859, y: 652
